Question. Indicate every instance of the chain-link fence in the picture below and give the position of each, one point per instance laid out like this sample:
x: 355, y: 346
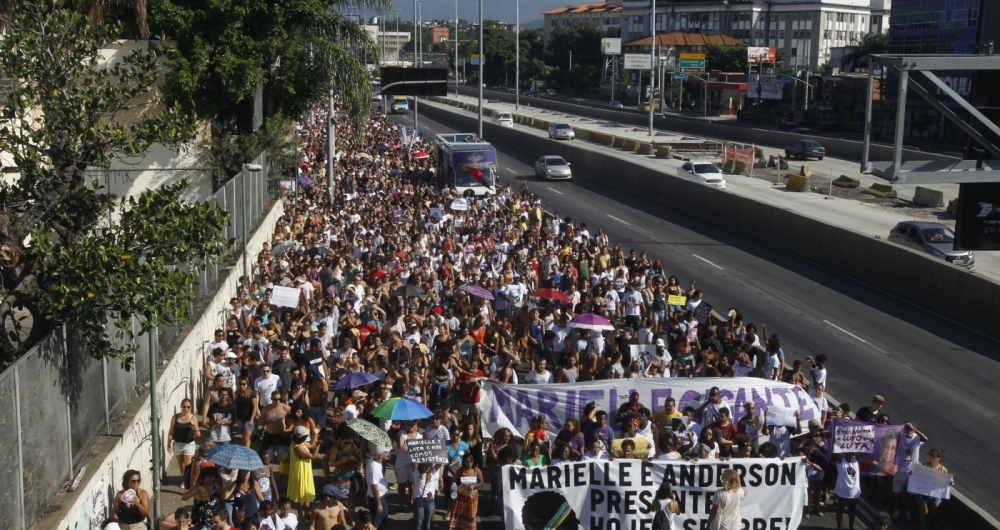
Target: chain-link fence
x: 57, y: 400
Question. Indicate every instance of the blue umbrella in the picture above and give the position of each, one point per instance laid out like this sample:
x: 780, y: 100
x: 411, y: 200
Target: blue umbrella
x: 283, y: 246
x: 234, y: 456
x: 354, y: 380
x: 402, y: 409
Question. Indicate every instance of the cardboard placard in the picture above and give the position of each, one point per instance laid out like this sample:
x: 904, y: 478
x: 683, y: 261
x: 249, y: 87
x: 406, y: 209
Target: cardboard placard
x: 285, y: 296
x: 925, y: 481
x: 703, y: 312
x: 677, y: 299
x: 853, y: 438
x: 781, y: 416
x: 427, y: 451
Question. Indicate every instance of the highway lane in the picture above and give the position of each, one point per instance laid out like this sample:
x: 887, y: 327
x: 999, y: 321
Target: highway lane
x: 931, y: 371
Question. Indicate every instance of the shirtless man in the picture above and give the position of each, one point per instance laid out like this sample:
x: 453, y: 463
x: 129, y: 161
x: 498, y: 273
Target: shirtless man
x: 277, y: 428
x: 329, y: 511
x: 319, y: 389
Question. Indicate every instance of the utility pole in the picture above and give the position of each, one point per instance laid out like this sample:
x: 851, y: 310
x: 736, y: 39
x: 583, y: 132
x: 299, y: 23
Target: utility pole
x: 331, y: 145
x: 456, y: 48
x: 396, y: 39
x: 652, y: 63
x: 416, y: 59
x: 154, y: 428
x: 517, y: 53
x: 571, y: 59
x: 482, y: 59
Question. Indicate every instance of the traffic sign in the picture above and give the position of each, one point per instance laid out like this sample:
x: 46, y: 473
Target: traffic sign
x: 692, y: 56
x: 783, y: 78
x: 636, y: 61
x: 680, y: 76
x: 693, y: 64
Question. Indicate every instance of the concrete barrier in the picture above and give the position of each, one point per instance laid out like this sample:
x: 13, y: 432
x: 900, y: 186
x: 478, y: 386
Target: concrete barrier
x: 797, y: 182
x: 617, y: 142
x: 956, y: 293
x: 884, y: 191
x: 630, y: 145
x: 928, y: 197
x: 662, y: 151
x: 722, y: 130
x: 581, y: 134
x: 645, y: 148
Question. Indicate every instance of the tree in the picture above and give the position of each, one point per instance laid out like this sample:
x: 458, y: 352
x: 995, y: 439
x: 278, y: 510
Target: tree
x: 294, y: 48
x: 868, y: 45
x: 584, y: 40
x: 63, y: 258
x: 498, y: 47
x: 726, y: 58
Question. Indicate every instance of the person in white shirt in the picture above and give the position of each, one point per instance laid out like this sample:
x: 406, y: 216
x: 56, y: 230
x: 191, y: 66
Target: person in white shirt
x: 848, y: 487
x: 427, y: 481
x: 405, y: 468
x: 818, y: 369
x: 596, y: 452
x: 540, y: 375
x: 908, y: 454
x: 266, y: 385
x: 351, y: 410
x: 378, y: 488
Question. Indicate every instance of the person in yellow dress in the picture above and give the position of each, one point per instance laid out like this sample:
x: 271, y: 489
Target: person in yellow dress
x: 301, y: 486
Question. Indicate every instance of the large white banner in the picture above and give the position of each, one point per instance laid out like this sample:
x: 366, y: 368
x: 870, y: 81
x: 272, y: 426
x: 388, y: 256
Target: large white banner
x: 512, y: 406
x: 618, y: 495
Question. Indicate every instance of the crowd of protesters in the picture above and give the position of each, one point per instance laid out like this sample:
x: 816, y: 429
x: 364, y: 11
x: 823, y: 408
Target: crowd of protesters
x: 381, y: 270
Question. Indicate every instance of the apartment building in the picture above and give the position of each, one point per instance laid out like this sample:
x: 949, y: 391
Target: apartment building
x: 604, y: 15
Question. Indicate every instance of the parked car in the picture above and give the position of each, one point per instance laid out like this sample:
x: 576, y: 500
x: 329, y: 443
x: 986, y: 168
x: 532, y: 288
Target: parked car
x: 528, y: 93
x: 803, y: 149
x: 561, y: 131
x: 551, y: 92
x: 504, y: 119
x: 935, y: 239
x: 553, y: 168
x: 704, y: 172
x: 616, y: 104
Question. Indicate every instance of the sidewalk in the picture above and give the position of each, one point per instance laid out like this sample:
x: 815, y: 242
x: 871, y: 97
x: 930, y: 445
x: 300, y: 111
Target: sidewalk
x: 868, y: 218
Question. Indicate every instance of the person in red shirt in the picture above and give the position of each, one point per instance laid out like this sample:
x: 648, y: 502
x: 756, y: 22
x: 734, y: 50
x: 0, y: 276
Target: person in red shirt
x: 469, y: 384
x: 725, y: 433
x: 628, y: 408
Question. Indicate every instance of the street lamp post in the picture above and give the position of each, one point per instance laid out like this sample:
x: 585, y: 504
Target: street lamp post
x: 652, y: 63
x: 517, y: 54
x: 456, y: 48
x: 481, y: 60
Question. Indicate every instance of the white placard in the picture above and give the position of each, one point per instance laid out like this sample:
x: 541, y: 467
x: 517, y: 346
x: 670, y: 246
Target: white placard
x: 611, y: 46
x: 285, y: 296
x: 781, y: 416
x: 638, y: 61
x: 643, y: 353
x: 459, y: 205
x: 925, y: 481
x: 854, y: 438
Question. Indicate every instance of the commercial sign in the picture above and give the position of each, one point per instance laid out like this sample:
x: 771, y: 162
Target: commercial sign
x: 638, y: 61
x: 618, y: 495
x: 760, y: 54
x: 768, y: 85
x: 611, y: 46
x: 978, y: 224
x: 691, y: 55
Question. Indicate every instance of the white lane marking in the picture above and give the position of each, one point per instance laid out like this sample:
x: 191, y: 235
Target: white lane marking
x: 560, y: 193
x: 617, y: 219
x: 709, y: 262
x: 512, y: 171
x: 870, y: 345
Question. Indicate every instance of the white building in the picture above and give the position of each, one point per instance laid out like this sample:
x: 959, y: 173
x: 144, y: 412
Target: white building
x: 804, y: 29
x: 391, y: 42
x: 604, y: 15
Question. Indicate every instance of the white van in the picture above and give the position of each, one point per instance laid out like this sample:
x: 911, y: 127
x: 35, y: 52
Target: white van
x: 503, y: 119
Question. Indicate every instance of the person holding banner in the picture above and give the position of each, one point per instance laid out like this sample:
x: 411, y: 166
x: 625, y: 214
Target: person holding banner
x: 848, y: 487
x: 929, y: 505
x: 666, y: 507
x: 725, y: 513
x: 906, y: 456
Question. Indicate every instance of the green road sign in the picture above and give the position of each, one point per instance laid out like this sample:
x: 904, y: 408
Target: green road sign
x: 783, y: 78
x: 693, y: 64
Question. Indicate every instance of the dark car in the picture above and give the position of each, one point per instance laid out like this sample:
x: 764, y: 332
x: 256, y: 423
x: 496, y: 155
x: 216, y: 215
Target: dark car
x: 616, y: 104
x: 804, y: 149
x: 527, y: 93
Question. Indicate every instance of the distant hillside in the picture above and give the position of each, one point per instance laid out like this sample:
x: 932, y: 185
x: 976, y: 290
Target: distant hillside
x: 534, y: 24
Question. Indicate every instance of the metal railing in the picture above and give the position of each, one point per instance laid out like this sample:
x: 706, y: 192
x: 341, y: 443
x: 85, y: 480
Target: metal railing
x: 57, y: 400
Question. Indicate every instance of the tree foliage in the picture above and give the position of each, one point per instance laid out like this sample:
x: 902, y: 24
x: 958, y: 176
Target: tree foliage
x: 726, y: 58
x: 869, y: 44
x: 63, y: 259
x: 582, y: 40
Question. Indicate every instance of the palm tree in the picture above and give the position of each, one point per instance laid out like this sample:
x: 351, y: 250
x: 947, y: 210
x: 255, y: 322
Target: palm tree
x: 866, y: 46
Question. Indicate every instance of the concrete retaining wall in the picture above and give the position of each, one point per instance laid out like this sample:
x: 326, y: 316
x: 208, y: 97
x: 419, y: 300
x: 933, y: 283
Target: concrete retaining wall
x: 131, y: 448
x: 955, y: 292
x: 849, y: 149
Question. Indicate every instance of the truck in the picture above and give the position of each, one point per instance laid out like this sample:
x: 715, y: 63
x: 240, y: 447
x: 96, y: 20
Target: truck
x: 466, y: 164
x: 400, y: 105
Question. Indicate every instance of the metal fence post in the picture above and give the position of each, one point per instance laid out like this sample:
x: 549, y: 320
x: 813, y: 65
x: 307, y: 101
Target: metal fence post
x: 107, y: 404
x: 20, y: 442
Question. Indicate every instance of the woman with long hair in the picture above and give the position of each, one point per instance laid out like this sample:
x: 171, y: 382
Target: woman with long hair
x: 929, y: 505
x: 246, y: 409
x: 301, y: 486
x: 571, y: 435
x: 726, y: 507
x: 131, y: 505
x: 206, y: 498
x: 465, y: 508
x: 182, y: 434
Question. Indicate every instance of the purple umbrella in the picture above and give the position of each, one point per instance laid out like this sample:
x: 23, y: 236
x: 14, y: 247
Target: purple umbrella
x: 591, y: 321
x: 305, y: 181
x: 354, y: 380
x: 476, y: 290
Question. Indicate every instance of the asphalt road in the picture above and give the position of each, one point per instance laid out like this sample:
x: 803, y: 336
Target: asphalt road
x: 933, y: 372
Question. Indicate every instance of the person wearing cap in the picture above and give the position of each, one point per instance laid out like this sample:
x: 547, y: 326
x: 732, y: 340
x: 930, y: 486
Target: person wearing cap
x: 301, y: 486
x: 378, y: 488
x: 871, y: 412
x: 351, y: 410
x: 329, y: 511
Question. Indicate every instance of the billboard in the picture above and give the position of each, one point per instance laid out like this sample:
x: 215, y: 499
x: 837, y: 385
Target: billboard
x: 638, y: 61
x: 768, y: 84
x: 414, y: 81
x: 760, y: 54
x: 978, y: 223
x: 611, y: 46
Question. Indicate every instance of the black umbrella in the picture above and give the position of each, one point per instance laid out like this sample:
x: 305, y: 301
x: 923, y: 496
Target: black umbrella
x: 410, y: 291
x: 317, y: 251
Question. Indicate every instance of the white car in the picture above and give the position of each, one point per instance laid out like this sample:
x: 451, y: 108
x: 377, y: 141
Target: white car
x: 561, y: 131
x: 553, y: 168
x: 503, y: 119
x: 551, y: 92
x: 704, y: 172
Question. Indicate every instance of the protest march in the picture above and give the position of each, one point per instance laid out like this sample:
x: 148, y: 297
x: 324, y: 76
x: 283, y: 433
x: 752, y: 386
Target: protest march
x: 398, y: 348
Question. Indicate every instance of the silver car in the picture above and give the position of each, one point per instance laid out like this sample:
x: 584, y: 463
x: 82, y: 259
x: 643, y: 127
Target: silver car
x: 553, y: 168
x: 561, y: 130
x: 935, y: 239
